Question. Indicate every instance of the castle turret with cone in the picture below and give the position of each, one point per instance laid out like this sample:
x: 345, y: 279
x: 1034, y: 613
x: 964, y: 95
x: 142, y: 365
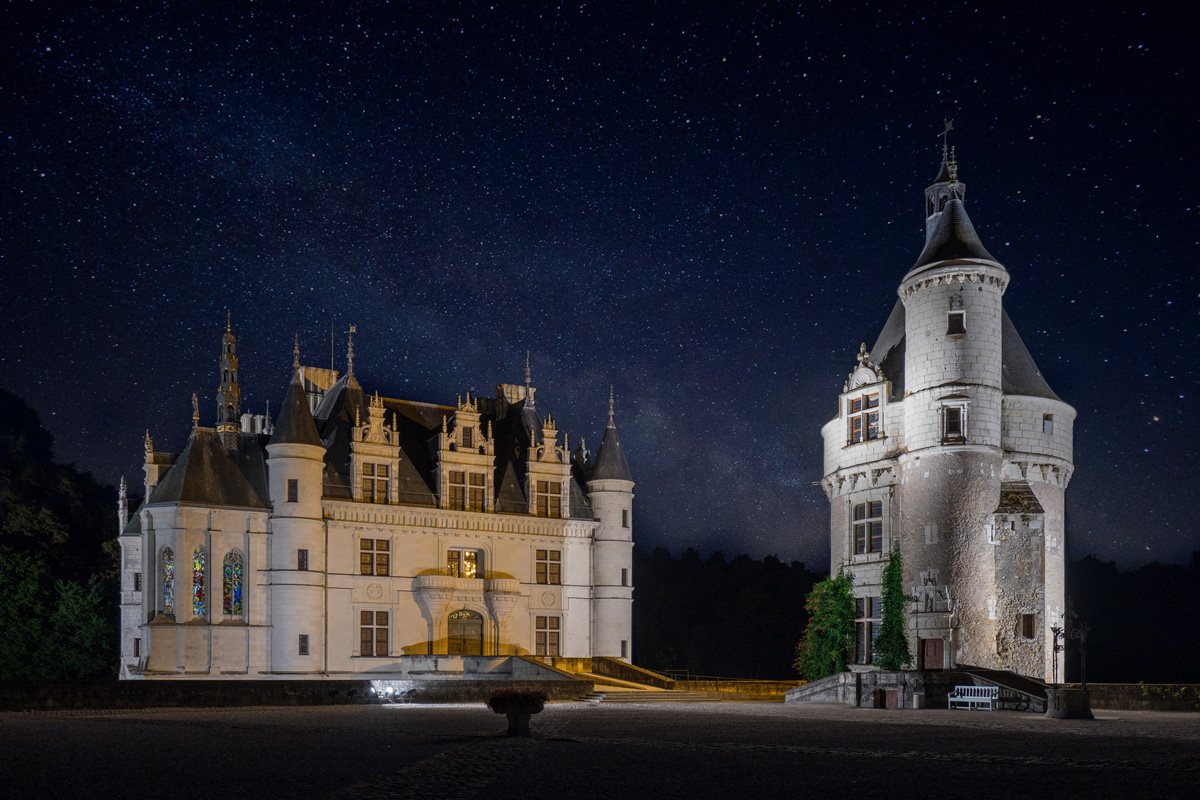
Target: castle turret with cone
x: 950, y: 447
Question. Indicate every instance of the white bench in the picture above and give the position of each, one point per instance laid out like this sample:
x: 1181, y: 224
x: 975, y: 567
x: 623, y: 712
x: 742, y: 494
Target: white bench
x: 974, y: 696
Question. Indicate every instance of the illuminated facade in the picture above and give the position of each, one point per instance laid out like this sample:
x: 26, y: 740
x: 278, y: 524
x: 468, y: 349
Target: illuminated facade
x: 950, y: 446
x: 359, y: 531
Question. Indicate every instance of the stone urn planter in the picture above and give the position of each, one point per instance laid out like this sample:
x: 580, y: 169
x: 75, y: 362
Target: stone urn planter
x: 518, y: 707
x: 1062, y: 703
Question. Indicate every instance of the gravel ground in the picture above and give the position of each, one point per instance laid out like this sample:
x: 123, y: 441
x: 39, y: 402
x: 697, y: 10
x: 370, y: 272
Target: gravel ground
x: 581, y: 751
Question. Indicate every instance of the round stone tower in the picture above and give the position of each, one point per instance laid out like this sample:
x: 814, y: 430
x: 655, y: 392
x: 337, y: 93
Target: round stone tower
x: 297, y: 544
x: 610, y: 489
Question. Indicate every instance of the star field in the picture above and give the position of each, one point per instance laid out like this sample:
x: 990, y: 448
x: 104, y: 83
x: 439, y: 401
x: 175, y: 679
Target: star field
x: 708, y: 208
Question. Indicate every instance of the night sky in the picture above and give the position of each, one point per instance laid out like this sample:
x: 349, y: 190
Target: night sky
x: 708, y: 209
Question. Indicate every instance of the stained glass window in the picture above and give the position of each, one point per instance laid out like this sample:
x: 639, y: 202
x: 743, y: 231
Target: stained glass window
x: 168, y: 581
x: 232, y: 596
x: 198, y: 596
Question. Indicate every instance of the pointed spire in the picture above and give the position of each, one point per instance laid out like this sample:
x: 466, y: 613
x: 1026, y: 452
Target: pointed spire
x: 350, y: 379
x: 195, y: 411
x: 611, y: 408
x: 296, y: 354
x: 149, y: 444
x: 610, y: 458
x: 296, y: 425
x: 228, y: 321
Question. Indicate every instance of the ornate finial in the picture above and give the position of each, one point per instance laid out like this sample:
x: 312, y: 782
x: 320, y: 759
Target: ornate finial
x: 350, y: 350
x: 863, y: 355
x: 122, y: 490
x: 267, y: 421
x: 953, y: 166
x: 195, y: 411
x: 611, y: 405
x: 945, y: 134
x: 357, y: 421
x: 296, y: 354
x: 149, y: 443
x: 528, y: 379
x: 443, y: 423
x: 228, y: 322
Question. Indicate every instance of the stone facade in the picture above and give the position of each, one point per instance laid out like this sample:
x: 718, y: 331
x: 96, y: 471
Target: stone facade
x: 949, y: 446
x: 365, y: 536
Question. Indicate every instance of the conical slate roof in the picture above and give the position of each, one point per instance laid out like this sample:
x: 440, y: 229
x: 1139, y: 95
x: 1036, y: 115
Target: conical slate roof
x: 953, y: 238
x: 295, y: 425
x: 610, y: 458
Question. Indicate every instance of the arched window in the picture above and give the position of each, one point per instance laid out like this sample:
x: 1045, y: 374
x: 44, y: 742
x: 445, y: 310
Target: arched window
x: 168, y: 581
x: 198, y: 593
x: 232, y: 596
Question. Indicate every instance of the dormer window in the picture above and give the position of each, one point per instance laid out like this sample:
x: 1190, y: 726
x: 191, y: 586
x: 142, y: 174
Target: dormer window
x: 375, y: 483
x: 549, y: 499
x: 468, y: 438
x: 864, y: 418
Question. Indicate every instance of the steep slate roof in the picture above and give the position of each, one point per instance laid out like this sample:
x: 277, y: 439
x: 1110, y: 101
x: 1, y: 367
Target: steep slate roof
x: 1019, y: 373
x: 295, y: 425
x: 953, y: 238
x: 205, y: 474
x: 610, y: 458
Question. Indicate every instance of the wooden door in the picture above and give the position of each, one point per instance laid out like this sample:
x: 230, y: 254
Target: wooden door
x: 933, y: 654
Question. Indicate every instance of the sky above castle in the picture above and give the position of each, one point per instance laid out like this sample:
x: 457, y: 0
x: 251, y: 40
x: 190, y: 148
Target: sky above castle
x: 709, y: 208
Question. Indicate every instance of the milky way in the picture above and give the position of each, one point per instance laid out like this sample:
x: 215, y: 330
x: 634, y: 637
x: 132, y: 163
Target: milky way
x: 709, y: 210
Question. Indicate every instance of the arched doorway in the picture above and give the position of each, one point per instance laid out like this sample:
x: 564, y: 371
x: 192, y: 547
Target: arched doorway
x: 465, y: 634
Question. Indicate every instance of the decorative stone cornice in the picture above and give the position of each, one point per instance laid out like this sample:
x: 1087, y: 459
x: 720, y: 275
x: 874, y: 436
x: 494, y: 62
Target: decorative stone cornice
x: 955, y: 272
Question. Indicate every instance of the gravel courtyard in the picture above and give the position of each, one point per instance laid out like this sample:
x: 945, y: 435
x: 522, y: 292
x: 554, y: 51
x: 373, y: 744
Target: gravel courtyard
x: 578, y: 751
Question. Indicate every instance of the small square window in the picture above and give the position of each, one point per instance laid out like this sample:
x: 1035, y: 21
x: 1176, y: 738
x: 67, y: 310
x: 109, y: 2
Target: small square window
x: 302, y: 559
x: 956, y: 324
x: 293, y: 490
x: 1047, y: 423
x: 303, y: 648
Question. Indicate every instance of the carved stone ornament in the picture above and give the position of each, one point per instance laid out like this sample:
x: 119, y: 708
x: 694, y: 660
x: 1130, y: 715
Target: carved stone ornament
x: 865, y: 373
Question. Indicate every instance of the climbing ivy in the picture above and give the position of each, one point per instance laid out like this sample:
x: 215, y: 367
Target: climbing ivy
x: 829, y: 638
x: 891, y: 646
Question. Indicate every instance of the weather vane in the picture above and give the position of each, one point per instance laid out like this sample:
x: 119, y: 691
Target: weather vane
x: 945, y: 134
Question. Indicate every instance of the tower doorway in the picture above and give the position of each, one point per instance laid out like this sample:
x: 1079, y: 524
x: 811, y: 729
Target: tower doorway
x: 932, y: 654
x: 465, y: 634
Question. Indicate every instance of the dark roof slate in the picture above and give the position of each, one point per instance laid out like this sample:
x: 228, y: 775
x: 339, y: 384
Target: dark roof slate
x: 953, y: 238
x: 295, y: 425
x: 888, y: 352
x: 610, y: 458
x: 205, y: 474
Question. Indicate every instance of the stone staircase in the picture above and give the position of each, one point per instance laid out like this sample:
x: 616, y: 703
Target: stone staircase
x: 658, y: 696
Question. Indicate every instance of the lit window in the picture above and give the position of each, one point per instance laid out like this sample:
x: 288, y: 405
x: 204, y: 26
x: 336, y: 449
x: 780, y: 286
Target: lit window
x: 293, y: 490
x: 864, y: 418
x: 375, y: 483
x: 867, y: 613
x: 549, y: 566
x: 458, y: 490
x: 545, y: 642
x: 168, y: 581
x: 549, y: 499
x: 956, y: 323
x: 1047, y: 423
x: 462, y: 563
x: 199, y: 596
x: 373, y: 556
x: 373, y: 633
x: 231, y: 598
x: 868, y: 527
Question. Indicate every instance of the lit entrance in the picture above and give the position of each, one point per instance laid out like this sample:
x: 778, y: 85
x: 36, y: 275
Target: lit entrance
x: 465, y: 634
x: 932, y: 654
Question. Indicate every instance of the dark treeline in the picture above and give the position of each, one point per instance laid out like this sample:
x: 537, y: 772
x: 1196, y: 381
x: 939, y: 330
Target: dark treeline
x: 742, y: 618
x: 58, y: 558
x: 1141, y: 621
x: 733, y: 619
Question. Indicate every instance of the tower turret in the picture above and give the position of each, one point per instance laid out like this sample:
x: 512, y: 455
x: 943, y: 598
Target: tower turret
x: 610, y: 489
x: 945, y: 187
x: 295, y: 466
x: 229, y: 394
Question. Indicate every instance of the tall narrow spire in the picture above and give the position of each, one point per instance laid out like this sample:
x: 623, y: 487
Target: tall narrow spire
x: 350, y: 379
x: 946, y: 186
x: 229, y: 393
x: 296, y: 354
x: 528, y: 381
x: 612, y: 422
